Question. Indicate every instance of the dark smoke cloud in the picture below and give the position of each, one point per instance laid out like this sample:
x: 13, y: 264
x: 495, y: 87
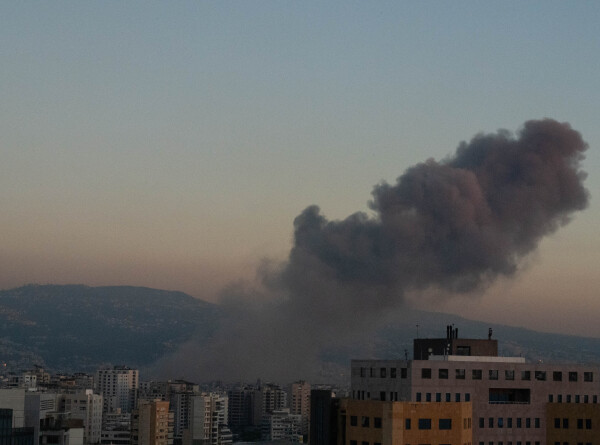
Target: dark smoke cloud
x: 452, y: 226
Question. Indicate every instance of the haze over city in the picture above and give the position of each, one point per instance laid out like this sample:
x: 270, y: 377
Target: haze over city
x: 173, y: 145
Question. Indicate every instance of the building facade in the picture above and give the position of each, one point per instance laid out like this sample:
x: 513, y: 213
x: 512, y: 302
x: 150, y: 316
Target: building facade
x: 151, y: 423
x: 300, y: 403
x: 118, y: 387
x: 403, y: 423
x: 510, y: 398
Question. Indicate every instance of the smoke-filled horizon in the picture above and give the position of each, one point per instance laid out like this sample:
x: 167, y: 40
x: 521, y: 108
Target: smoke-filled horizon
x: 451, y: 226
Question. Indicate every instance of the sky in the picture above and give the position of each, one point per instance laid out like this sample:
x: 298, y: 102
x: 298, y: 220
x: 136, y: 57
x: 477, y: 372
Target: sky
x: 172, y: 144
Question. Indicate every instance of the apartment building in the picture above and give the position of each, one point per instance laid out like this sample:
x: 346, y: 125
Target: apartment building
x: 87, y: 406
x: 151, y: 423
x: 118, y: 386
x: 300, y: 403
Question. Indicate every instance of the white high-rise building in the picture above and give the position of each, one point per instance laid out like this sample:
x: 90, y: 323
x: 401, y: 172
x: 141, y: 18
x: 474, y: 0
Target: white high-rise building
x: 118, y: 386
x: 87, y: 406
x: 208, y: 421
x: 281, y: 425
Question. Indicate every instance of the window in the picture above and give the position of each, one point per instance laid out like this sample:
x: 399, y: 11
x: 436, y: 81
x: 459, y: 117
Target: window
x: 467, y: 397
x: 588, y: 376
x: 463, y: 350
x: 363, y: 372
x: 509, y: 375
x: 560, y: 398
x: 565, y: 423
x: 568, y: 398
x: 491, y: 422
x: 424, y: 424
x: 477, y: 373
x: 364, y: 421
x: 445, y: 424
x: 377, y: 422
x: 557, y: 376
x: 540, y: 375
x: 392, y: 373
x: 403, y: 373
x: 579, y: 424
x: 418, y: 397
x: 382, y: 373
x: 438, y: 396
x: 500, y: 422
x: 457, y: 397
x: 382, y: 396
x: 353, y: 442
x: 528, y: 422
x: 572, y: 376
x: 426, y: 373
x: 407, y: 424
x: 460, y: 374
x: 525, y: 375
x: 556, y: 422
x: 588, y: 424
x: 519, y: 424
x: 550, y: 398
x: 509, y: 422
x: 448, y: 397
x: 428, y: 397
x: 577, y: 399
x: 537, y: 422
x: 443, y: 373
x: 481, y: 422
x: 364, y: 443
x: 353, y: 420
x: 372, y: 372
x: 509, y: 395
x: 586, y: 399
x: 493, y: 374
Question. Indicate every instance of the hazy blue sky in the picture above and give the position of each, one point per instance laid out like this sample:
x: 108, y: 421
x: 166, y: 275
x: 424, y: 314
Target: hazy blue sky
x: 171, y: 144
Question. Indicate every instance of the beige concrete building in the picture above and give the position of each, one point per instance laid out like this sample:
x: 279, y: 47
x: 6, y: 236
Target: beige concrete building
x: 300, y: 403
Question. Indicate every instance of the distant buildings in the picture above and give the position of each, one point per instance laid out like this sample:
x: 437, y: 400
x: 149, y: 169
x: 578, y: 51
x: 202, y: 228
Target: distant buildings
x: 118, y: 386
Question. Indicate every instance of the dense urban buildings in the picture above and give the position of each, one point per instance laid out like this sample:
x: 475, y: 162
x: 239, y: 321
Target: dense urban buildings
x: 458, y: 391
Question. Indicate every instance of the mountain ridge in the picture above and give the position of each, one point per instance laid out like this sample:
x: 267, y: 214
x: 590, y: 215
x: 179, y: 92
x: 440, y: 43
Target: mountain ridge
x: 75, y: 327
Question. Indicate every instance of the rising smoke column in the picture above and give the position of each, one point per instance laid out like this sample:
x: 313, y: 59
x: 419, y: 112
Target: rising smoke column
x: 452, y: 226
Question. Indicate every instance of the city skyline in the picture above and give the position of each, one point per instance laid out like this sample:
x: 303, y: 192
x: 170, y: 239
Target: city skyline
x: 172, y: 146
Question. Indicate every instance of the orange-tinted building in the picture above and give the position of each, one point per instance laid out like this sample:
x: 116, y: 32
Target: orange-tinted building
x: 151, y: 423
x: 572, y: 423
x: 369, y: 422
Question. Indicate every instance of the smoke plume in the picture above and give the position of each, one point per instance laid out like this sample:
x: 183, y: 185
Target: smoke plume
x: 452, y: 226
